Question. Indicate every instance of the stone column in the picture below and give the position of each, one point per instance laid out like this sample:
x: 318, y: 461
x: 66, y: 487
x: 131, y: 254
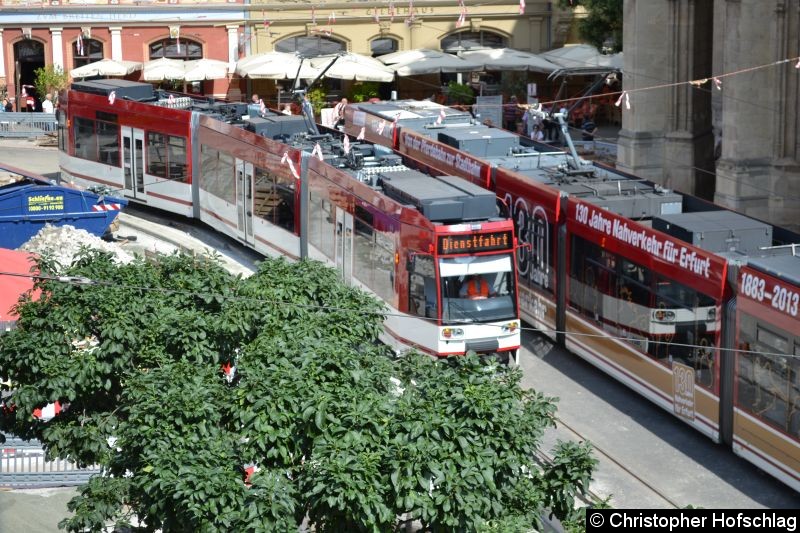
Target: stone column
x: 666, y: 135
x: 58, y: 47
x: 233, y: 46
x: 116, y: 42
x: 758, y: 172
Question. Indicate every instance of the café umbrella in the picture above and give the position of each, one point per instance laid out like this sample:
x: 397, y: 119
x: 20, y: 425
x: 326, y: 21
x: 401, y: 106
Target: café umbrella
x: 106, y: 67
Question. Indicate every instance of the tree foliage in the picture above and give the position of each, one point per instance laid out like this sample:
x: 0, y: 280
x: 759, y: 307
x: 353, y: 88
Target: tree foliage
x: 603, y: 21
x: 335, y: 432
x: 50, y: 79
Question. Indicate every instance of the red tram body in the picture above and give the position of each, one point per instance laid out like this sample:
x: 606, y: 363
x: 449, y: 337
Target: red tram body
x: 638, y: 280
x: 412, y: 240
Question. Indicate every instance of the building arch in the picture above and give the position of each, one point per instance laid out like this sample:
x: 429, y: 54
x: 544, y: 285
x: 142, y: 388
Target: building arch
x: 474, y: 40
x: 174, y: 48
x: 29, y: 54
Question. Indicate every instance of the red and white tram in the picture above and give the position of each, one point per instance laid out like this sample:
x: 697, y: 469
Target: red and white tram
x: 636, y: 279
x: 411, y: 239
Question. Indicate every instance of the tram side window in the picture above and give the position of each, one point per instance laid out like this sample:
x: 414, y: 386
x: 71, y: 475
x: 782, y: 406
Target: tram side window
x: 166, y: 156
x: 364, y: 247
x: 85, y: 140
x: 687, y: 327
x: 592, y: 277
x: 384, y: 266
x: 274, y: 198
x: 320, y: 231
x: 768, y: 377
x: 97, y: 140
x: 422, y: 299
x: 216, y: 173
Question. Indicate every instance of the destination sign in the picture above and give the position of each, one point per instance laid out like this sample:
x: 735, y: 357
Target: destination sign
x: 475, y: 243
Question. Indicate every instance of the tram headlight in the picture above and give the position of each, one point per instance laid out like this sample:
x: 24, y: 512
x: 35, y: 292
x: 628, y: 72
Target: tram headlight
x: 511, y: 327
x: 450, y: 333
x: 663, y: 315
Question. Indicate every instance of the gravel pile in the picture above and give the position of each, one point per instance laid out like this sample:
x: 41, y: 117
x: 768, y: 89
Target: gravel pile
x: 62, y: 243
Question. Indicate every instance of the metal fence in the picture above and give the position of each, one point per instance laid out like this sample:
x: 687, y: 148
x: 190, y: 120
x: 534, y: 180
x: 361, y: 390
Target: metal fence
x: 23, y: 465
x: 23, y: 125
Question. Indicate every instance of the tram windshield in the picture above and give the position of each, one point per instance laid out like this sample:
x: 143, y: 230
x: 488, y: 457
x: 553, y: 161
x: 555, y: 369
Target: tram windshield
x: 477, y: 289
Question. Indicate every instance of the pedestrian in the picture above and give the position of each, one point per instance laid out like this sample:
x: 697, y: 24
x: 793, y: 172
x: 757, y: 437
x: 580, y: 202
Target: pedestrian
x: 47, y: 104
x: 3, y: 105
x: 287, y: 109
x: 588, y: 129
x: 510, y: 114
x: 338, y: 112
x: 255, y: 99
x: 8, y: 105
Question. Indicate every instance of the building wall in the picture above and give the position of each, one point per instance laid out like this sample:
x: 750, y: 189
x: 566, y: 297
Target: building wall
x: 125, y: 28
x: 669, y: 133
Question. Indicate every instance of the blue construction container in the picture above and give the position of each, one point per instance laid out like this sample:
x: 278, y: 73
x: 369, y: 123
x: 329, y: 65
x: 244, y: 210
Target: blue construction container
x: 31, y: 202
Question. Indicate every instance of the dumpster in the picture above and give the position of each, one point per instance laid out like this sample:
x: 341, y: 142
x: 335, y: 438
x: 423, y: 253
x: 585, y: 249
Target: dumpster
x: 30, y: 202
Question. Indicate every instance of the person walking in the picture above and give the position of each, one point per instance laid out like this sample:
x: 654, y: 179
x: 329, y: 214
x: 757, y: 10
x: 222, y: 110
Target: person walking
x: 47, y: 104
x: 588, y: 129
x: 510, y: 114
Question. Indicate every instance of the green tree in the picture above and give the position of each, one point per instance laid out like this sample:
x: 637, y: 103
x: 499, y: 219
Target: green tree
x: 361, y: 91
x: 335, y: 431
x: 603, y: 21
x: 50, y: 79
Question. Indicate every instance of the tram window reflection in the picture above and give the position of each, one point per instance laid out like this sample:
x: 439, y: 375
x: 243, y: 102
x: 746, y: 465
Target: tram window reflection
x: 767, y: 376
x: 422, y: 298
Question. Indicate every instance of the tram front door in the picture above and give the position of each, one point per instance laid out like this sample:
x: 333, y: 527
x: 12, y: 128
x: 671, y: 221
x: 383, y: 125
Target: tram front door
x: 133, y: 162
x: 244, y: 201
x: 344, y: 244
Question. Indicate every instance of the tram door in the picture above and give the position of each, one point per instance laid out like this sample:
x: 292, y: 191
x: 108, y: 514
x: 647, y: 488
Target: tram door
x: 133, y: 162
x: 244, y: 200
x: 344, y: 244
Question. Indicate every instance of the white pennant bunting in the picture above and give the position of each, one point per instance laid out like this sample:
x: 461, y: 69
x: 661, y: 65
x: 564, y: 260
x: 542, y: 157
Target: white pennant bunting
x: 462, y: 18
x: 361, y: 134
x: 317, y: 151
x: 313, y: 15
x: 171, y: 99
x: 392, y: 13
x: 381, y: 126
x: 80, y: 44
x: 376, y: 17
x: 619, y: 100
x: 521, y: 7
x: 332, y: 19
x: 286, y: 159
x: 718, y: 83
x: 346, y: 144
x: 798, y: 63
x: 111, y: 97
x: 441, y: 117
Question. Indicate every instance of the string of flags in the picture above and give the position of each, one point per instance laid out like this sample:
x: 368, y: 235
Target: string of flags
x: 361, y: 133
x: 346, y: 144
x: 381, y: 126
x: 111, y: 97
x: 521, y: 7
